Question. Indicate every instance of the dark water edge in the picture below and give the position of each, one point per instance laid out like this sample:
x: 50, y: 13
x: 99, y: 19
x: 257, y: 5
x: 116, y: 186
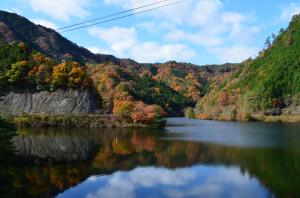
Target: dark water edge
x: 190, y: 158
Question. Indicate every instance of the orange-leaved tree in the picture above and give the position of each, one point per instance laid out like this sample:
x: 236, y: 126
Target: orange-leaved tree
x: 143, y: 113
x: 123, y: 104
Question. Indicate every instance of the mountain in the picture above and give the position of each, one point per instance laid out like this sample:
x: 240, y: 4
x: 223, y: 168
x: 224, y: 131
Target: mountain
x: 171, y: 85
x: 15, y: 28
x: 267, y: 87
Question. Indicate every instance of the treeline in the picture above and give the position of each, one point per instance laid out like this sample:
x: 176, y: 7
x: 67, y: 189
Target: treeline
x: 154, y: 92
x: 20, y: 66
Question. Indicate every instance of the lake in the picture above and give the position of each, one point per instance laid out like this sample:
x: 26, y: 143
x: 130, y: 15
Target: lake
x: 189, y: 158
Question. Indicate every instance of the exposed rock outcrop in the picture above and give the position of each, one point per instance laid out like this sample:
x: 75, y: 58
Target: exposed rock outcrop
x: 52, y: 103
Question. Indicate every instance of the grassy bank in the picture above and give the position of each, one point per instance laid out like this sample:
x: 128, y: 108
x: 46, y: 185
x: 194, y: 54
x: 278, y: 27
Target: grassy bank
x: 281, y: 118
x: 91, y: 121
x: 258, y: 117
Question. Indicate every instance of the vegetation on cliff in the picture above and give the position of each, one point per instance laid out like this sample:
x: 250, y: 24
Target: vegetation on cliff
x: 21, y: 66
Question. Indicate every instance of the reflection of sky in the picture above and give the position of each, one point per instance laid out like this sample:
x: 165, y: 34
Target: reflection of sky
x: 250, y: 134
x: 197, y: 181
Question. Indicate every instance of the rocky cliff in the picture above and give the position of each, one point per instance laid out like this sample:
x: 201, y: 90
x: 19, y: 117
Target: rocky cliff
x: 58, y: 102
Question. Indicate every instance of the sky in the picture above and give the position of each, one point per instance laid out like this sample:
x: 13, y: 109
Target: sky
x: 195, y: 31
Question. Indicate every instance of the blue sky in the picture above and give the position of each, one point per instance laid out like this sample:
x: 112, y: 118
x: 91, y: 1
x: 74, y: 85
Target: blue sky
x: 196, y: 31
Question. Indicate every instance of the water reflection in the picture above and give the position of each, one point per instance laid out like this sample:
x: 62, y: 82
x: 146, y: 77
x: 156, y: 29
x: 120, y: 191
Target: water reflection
x: 85, y: 162
x: 197, y: 181
x: 248, y: 134
x: 7, y: 151
x: 56, y: 145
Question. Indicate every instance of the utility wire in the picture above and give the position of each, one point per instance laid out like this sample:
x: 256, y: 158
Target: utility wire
x: 111, y: 15
x: 125, y: 16
x: 116, y: 18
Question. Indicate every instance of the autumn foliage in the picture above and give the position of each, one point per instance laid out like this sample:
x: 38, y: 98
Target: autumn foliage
x: 70, y: 74
x: 28, y: 67
x: 146, y: 113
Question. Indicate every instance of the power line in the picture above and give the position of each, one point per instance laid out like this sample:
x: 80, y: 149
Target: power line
x: 116, y: 18
x: 125, y: 16
x: 111, y: 15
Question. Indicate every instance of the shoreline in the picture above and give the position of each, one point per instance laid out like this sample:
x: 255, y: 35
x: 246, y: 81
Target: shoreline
x: 274, y: 119
x: 266, y: 119
x: 80, y: 121
x: 261, y: 118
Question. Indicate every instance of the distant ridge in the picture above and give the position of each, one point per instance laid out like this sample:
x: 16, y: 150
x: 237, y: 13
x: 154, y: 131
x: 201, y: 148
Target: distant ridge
x: 15, y: 28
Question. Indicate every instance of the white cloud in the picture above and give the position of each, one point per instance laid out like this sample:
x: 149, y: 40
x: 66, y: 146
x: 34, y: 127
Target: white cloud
x: 175, y: 177
x: 60, y: 9
x: 214, y: 22
x: 45, y: 23
x: 204, y: 12
x: 197, y: 181
x: 119, y: 39
x: 123, y: 184
x: 98, y: 50
x: 201, y: 37
x: 235, y: 53
x: 174, y: 13
x: 288, y: 11
x: 123, y: 42
x: 214, y: 26
x: 216, y: 29
x: 156, y: 27
x: 156, y: 52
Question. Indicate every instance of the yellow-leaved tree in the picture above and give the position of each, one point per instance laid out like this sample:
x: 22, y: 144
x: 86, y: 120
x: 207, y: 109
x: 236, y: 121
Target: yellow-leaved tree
x: 69, y: 74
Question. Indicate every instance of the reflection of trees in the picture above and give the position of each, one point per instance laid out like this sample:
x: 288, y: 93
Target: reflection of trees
x: 47, y: 180
x: 278, y: 169
x: 7, y: 151
x: 112, y: 150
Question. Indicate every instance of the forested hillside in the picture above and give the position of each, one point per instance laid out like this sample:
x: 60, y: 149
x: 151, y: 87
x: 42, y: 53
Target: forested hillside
x: 143, y: 92
x: 266, y: 86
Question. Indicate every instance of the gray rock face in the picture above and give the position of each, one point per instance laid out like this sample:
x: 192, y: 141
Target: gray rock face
x: 292, y: 110
x: 58, y: 102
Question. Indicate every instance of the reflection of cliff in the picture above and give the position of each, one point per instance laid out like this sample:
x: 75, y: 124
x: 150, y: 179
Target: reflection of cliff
x: 125, y: 150
x: 59, y: 148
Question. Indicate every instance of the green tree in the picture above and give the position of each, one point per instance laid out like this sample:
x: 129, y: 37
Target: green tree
x: 18, y: 72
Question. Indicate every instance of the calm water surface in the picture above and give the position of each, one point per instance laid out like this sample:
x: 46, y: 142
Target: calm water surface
x: 189, y: 158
